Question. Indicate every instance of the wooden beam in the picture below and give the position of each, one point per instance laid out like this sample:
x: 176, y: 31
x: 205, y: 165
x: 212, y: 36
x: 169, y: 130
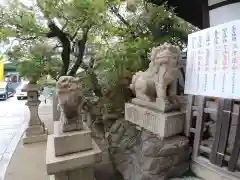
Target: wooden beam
x: 236, y: 149
x: 226, y: 122
x: 189, y: 115
x: 199, y: 127
x: 223, y: 3
x: 213, y: 156
x: 205, y: 14
x: 204, y: 162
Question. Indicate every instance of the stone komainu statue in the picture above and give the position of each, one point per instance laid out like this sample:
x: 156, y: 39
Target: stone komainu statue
x: 159, y: 81
x: 70, y: 99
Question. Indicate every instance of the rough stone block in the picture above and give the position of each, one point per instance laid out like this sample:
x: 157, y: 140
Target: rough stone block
x: 71, y: 142
x: 162, y: 124
x: 71, y: 161
x: 84, y: 173
x: 34, y: 139
x: 31, y: 87
x: 35, y: 130
x: 208, y: 171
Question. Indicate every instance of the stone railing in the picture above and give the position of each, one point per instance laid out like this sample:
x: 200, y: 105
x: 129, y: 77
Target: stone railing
x: 56, y: 112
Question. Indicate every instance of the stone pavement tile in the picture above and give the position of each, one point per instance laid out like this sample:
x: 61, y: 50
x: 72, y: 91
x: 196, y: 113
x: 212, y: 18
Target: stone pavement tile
x: 11, y: 122
x: 4, y: 164
x: 5, y: 141
x: 11, y: 148
x: 45, y: 110
x: 10, y: 132
x: 19, y: 113
x: 34, y: 168
x: 3, y: 114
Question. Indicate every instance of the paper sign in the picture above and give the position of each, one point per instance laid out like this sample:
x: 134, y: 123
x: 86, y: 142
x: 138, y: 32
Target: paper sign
x: 213, y: 62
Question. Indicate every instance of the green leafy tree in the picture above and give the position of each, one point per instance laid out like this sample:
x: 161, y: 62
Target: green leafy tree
x: 137, y: 33
x: 102, y: 37
x: 69, y: 24
x: 38, y: 62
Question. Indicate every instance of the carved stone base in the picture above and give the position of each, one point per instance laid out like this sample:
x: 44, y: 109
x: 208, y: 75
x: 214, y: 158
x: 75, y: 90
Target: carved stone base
x: 168, y: 105
x: 85, y: 173
x: 159, y: 105
x: 35, y: 130
x: 71, y: 142
x: 162, y: 124
x: 72, y: 161
x: 77, y: 125
x: 34, y: 139
x: 34, y: 134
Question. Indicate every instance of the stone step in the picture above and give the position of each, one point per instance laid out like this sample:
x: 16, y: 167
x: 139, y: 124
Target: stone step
x: 161, y: 124
x: 186, y: 178
x: 70, y: 161
x: 71, y: 142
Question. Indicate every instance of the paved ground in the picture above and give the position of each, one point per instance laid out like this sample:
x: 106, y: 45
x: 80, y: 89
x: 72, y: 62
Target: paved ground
x: 13, y: 115
x: 13, y: 121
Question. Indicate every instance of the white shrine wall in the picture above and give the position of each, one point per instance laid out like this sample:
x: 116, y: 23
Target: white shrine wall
x: 223, y: 14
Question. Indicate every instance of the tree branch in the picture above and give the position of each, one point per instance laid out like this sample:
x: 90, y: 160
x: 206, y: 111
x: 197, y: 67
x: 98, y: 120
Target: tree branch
x: 75, y: 34
x: 81, y: 48
x: 57, y: 46
x: 115, y: 11
x: 55, y: 31
x: 120, y: 17
x: 84, y: 66
x: 65, y: 25
x: 28, y: 38
x: 91, y: 63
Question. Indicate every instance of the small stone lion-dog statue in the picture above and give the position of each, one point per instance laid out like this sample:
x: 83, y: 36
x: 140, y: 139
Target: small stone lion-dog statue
x: 159, y: 82
x: 70, y: 101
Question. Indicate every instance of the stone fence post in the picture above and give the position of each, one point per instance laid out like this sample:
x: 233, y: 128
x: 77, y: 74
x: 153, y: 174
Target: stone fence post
x: 36, y: 131
x: 56, y: 112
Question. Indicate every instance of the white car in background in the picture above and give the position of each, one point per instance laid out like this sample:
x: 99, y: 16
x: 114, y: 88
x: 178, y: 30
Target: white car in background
x: 19, y: 94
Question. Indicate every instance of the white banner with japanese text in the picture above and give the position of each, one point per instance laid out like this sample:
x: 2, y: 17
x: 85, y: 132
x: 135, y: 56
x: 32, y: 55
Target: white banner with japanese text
x: 213, y: 62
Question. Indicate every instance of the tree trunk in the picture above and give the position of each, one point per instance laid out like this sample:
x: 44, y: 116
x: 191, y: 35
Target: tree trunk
x: 55, y: 31
x: 81, y: 49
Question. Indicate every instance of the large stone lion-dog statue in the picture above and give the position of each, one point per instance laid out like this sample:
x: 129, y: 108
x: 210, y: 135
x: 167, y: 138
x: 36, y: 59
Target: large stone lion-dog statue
x: 159, y: 81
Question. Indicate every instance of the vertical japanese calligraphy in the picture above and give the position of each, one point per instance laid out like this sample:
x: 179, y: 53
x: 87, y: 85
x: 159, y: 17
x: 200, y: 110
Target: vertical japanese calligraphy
x: 234, y: 57
x: 206, y: 65
x: 213, y: 61
x: 199, y: 60
x: 225, y: 56
x: 216, y: 59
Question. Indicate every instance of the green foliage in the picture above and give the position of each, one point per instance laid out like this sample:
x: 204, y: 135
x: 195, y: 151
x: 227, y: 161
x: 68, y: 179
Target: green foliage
x: 120, y: 41
x: 19, y: 21
x: 116, y: 65
x: 32, y: 69
x: 38, y: 62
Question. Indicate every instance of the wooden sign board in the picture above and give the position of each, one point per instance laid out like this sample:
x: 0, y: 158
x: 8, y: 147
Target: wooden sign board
x: 213, y: 62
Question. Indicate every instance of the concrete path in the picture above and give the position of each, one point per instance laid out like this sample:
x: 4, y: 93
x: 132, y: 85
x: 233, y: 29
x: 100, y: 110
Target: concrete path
x: 13, y: 121
x: 13, y: 116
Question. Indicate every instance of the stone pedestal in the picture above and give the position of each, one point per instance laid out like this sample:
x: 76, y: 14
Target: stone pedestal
x: 150, y: 118
x: 36, y: 131
x: 71, y: 155
x: 157, y: 151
